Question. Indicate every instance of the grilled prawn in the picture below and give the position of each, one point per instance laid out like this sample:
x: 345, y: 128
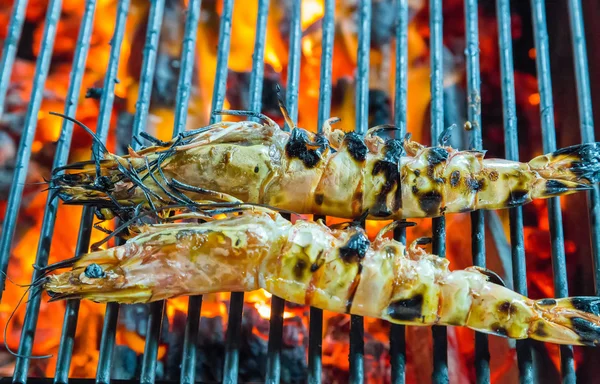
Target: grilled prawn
x: 336, y: 269
x: 334, y: 173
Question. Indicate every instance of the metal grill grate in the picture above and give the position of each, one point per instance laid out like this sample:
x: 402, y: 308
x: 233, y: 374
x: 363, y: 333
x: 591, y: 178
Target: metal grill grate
x: 397, y: 341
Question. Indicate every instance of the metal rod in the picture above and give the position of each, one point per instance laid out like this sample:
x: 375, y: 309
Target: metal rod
x: 398, y: 332
x: 357, y: 343
x: 107, y: 340
x: 153, y: 328
x: 70, y: 321
x: 188, y: 53
x: 440, y: 341
x: 524, y: 355
x: 236, y: 305
x: 155, y: 19
x: 9, y: 50
x: 258, y: 68
x: 559, y: 263
x: 326, y: 65
x: 24, y: 151
x: 220, y: 85
x: 107, y: 343
x: 188, y: 364
x: 273, y: 374
x: 482, y: 354
x: 157, y: 309
x: 315, y: 324
x: 586, y: 122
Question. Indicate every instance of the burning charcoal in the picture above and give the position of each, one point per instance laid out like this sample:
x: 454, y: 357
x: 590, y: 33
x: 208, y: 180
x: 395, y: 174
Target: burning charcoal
x: 124, y: 131
x: 12, y: 123
x: 238, y: 88
x: 382, y: 27
x: 134, y: 317
x: 7, y: 149
x: 174, y: 340
x: 293, y: 365
x: 380, y: 107
x: 93, y: 93
x: 125, y: 363
x: 211, y: 349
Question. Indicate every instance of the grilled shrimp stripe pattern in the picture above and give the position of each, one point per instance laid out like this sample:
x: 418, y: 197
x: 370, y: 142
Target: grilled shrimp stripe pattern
x: 334, y: 269
x: 334, y: 173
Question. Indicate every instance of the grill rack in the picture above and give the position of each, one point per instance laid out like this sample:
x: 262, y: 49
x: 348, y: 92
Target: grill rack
x: 397, y: 350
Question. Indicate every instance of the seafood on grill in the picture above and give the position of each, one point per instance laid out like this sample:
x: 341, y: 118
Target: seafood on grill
x: 333, y: 268
x: 330, y: 173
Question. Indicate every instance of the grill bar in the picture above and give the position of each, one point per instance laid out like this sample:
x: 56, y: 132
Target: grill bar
x: 9, y: 51
x: 357, y: 343
x: 398, y: 332
x: 188, y: 366
x: 315, y: 331
x: 440, y: 341
x: 523, y: 347
x: 559, y: 264
x: 586, y: 122
x: 482, y: 354
x: 273, y: 373
x: 142, y: 106
x: 157, y: 309
x: 222, y: 60
x: 111, y: 314
x: 24, y: 152
x: 49, y: 219
x: 236, y: 304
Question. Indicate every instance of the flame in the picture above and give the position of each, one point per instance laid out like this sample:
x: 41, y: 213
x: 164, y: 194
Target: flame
x: 160, y: 124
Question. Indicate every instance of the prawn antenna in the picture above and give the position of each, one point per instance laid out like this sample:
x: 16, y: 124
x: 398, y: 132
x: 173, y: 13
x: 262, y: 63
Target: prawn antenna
x: 257, y: 115
x: 97, y: 142
x: 283, y: 108
x: 12, y: 314
x: 445, y: 135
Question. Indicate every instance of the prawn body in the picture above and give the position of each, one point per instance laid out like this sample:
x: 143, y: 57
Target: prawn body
x: 339, y: 270
x: 334, y: 173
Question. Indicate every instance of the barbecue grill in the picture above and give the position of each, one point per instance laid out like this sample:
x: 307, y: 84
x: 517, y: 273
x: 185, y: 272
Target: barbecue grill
x: 397, y: 335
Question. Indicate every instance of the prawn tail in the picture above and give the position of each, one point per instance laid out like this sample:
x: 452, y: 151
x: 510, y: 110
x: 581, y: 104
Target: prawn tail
x: 488, y: 306
x: 572, y: 320
x: 575, y: 166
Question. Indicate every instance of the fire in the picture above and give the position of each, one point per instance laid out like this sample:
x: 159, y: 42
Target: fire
x: 160, y: 124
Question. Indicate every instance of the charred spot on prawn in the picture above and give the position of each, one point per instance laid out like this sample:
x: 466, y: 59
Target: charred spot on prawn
x: 319, y: 198
x: 356, y: 146
x: 474, y: 185
x: 300, y: 268
x: 493, y: 175
x: 356, y: 248
x: 455, y: 178
x: 555, y: 187
x: 437, y: 155
x: 499, y: 330
x: 389, y: 166
x: 547, y: 302
x: 586, y: 304
x: 256, y: 169
x: 430, y: 202
x: 540, y: 329
x: 507, y: 308
x: 318, y: 262
x: 300, y: 147
x: 94, y: 271
x: 516, y: 198
x: 406, y: 309
x: 588, y: 332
